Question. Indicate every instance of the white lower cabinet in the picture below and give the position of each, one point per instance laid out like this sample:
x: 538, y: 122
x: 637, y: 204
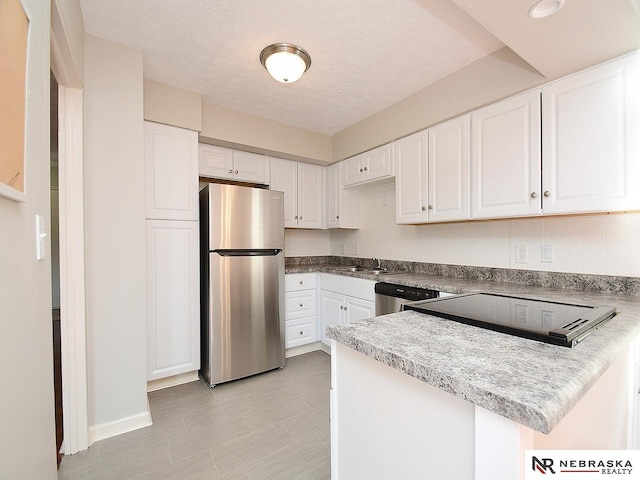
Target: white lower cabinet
x: 173, y: 296
x: 300, y: 309
x: 345, y: 300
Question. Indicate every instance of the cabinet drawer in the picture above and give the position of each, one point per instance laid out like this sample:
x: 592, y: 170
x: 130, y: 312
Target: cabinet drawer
x: 300, y: 304
x: 294, y: 282
x: 300, y: 332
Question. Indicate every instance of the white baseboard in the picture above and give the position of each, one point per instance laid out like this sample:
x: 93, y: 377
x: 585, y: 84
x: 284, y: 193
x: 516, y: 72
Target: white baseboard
x: 302, y: 349
x: 118, y: 427
x: 172, y: 381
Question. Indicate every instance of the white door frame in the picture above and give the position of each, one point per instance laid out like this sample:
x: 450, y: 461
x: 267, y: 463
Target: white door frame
x: 72, y: 259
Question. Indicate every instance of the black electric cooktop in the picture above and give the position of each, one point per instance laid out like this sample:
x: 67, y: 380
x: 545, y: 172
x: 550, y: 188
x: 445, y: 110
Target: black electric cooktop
x: 551, y: 322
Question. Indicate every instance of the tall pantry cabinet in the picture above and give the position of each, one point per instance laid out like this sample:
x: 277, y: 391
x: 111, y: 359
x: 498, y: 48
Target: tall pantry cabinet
x: 172, y: 236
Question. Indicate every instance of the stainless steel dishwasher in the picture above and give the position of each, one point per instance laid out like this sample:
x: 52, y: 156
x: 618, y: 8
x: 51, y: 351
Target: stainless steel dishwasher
x: 390, y: 297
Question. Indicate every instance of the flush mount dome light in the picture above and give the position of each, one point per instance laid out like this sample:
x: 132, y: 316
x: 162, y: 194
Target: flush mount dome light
x: 285, y: 62
x: 545, y: 8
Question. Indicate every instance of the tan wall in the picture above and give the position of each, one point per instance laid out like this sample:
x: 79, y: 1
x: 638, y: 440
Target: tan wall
x: 27, y: 441
x: 68, y: 12
x: 231, y: 128
x: 484, y: 81
x: 114, y: 233
x: 579, y: 35
x: 172, y: 106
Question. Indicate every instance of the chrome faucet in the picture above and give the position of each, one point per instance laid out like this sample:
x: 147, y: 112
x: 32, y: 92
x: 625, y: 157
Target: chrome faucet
x: 378, y: 266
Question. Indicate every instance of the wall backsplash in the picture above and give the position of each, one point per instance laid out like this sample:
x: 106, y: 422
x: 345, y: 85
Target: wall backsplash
x: 594, y: 244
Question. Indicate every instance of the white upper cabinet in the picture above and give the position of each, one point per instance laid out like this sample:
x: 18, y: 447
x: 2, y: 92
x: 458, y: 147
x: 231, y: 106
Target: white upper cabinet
x: 343, y: 205
x: 505, y: 158
x: 215, y: 162
x: 310, y: 195
x: 449, y: 170
x: 250, y: 167
x: 371, y: 166
x: 171, y: 172
x: 303, y: 187
x: 411, y: 154
x: 220, y: 162
x: 284, y: 178
x: 590, y: 124
x: 432, y: 173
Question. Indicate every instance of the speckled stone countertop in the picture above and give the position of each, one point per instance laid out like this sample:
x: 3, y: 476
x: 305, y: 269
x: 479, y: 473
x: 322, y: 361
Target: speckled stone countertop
x: 529, y: 382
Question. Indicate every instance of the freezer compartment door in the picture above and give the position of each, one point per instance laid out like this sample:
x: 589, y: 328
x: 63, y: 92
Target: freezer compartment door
x: 244, y: 218
x: 244, y: 333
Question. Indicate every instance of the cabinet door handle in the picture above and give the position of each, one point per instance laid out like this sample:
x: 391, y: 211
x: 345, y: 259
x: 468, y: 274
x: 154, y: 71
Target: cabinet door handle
x: 430, y: 207
x: 236, y: 172
x: 301, y: 282
x: 300, y: 332
x: 361, y: 170
x: 423, y: 208
x: 300, y: 217
x: 296, y: 217
x: 547, y: 193
x: 230, y: 170
x: 365, y: 169
x: 337, y: 216
x: 534, y: 194
x: 301, y: 304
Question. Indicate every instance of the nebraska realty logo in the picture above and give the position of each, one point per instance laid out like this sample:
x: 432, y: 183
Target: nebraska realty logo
x: 585, y: 464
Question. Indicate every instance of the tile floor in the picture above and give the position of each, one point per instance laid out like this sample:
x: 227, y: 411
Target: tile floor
x: 270, y: 426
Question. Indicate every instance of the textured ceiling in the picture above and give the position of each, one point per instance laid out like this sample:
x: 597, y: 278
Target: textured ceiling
x: 366, y: 54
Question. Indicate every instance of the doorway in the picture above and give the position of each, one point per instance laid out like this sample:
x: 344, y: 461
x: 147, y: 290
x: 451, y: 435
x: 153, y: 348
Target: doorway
x: 55, y: 262
x: 70, y: 175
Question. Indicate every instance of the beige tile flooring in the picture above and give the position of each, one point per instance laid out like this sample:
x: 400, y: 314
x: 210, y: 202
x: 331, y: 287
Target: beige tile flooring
x: 270, y: 426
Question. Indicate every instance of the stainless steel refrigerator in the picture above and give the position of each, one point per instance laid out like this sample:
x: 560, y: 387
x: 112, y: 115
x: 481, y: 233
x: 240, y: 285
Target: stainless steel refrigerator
x: 242, y: 281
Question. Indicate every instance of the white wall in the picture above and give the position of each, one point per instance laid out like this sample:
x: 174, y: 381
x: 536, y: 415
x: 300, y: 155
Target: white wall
x: 594, y: 244
x: 115, y: 236
x: 27, y: 443
x: 300, y: 243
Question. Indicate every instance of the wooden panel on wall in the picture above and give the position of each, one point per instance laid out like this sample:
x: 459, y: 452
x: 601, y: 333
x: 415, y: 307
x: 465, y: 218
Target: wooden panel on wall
x: 14, y: 30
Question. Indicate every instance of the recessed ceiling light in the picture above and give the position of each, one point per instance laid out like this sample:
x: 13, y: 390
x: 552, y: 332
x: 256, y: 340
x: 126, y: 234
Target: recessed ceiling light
x: 545, y: 8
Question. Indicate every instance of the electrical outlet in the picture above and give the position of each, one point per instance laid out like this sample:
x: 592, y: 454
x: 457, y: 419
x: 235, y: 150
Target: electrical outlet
x: 521, y: 314
x: 547, y: 253
x: 344, y: 248
x: 355, y: 249
x: 521, y: 254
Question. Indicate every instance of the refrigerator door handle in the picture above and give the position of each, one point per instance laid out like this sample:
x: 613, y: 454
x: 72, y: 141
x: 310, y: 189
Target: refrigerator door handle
x: 263, y: 252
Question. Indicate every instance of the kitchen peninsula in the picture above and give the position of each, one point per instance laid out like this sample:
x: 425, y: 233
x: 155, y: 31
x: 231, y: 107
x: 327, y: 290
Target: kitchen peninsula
x: 415, y: 396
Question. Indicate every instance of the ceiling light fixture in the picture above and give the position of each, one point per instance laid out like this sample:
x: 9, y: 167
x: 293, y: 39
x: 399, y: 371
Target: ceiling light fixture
x: 285, y: 62
x: 545, y: 8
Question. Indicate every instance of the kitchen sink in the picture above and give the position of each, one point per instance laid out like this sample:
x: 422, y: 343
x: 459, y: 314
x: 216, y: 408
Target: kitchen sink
x: 374, y: 271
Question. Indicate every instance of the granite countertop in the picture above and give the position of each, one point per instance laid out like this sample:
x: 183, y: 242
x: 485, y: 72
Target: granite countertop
x: 529, y: 382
